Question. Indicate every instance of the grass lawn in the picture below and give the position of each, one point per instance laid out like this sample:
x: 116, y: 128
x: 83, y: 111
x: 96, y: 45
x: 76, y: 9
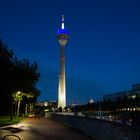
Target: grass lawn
x: 5, y: 120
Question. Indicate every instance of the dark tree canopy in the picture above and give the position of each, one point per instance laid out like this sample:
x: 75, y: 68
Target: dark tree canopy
x: 16, y: 75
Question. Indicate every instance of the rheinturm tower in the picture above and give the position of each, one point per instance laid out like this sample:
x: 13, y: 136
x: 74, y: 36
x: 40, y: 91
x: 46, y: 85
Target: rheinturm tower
x: 62, y: 36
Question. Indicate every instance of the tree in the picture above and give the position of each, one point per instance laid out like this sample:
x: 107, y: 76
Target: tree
x: 107, y: 105
x: 90, y: 106
x: 18, y: 97
x: 119, y: 103
x: 125, y: 102
x: 16, y: 75
x: 6, y: 64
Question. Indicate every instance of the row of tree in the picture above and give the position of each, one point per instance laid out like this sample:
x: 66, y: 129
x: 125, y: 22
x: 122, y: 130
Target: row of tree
x: 16, y: 76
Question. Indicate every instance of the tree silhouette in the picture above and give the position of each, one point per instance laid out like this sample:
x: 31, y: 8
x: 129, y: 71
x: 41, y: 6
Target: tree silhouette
x: 16, y: 75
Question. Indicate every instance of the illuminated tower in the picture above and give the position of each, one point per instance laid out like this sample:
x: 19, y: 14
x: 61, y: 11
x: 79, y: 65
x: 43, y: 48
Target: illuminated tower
x: 62, y: 36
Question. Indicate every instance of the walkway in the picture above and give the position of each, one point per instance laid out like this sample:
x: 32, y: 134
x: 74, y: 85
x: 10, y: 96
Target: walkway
x: 42, y: 129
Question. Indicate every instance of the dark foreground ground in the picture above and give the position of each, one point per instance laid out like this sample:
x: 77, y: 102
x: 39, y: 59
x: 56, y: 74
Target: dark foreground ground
x: 42, y: 129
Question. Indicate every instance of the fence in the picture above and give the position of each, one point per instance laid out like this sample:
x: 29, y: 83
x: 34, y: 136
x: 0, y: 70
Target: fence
x: 99, y: 129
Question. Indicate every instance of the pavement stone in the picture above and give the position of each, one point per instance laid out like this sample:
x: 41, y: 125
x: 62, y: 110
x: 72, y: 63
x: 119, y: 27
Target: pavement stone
x: 42, y: 129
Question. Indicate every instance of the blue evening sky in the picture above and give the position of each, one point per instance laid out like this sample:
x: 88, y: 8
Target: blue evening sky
x: 103, y: 51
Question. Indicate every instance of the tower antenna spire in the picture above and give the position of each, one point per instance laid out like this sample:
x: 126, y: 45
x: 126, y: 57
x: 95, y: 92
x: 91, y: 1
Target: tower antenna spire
x: 62, y: 26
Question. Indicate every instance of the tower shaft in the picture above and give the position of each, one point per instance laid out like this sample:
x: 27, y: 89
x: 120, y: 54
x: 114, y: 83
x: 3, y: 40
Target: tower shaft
x: 62, y: 83
x: 62, y: 36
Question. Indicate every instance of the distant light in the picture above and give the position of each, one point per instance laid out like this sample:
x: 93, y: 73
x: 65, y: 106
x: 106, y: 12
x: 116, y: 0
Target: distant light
x: 46, y: 110
x: 18, y: 93
x: 91, y: 101
x: 46, y: 104
x: 133, y: 96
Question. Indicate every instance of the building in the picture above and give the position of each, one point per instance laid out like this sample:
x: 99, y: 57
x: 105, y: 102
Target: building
x: 47, y: 103
x: 62, y: 36
x: 130, y: 93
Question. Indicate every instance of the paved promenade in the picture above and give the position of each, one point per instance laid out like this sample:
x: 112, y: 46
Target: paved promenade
x: 42, y: 129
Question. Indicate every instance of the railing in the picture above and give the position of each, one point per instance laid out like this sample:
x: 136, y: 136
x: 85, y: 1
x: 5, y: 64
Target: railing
x: 99, y: 129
